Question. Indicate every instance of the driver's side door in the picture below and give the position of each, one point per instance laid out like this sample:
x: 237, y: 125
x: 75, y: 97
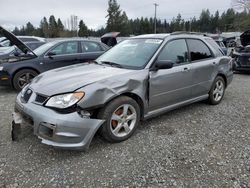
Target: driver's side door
x: 171, y: 86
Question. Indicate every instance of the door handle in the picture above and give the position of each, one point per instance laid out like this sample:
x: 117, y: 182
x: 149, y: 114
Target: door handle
x: 186, y: 69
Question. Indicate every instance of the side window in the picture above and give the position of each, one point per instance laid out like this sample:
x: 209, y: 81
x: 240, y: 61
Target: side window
x: 175, y: 51
x: 88, y: 46
x: 198, y: 50
x: 65, y: 48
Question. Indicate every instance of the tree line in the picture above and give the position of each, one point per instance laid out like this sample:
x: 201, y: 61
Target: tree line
x: 117, y: 20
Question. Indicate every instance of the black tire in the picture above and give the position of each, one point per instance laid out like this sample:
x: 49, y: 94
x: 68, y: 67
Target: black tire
x: 19, y: 85
x: 107, y: 113
x: 213, y: 100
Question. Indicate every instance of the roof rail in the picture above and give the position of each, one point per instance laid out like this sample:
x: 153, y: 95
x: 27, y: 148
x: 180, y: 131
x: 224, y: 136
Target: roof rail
x: 188, y: 33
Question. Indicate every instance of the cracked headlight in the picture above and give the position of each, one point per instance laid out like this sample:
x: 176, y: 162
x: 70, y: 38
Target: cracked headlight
x: 65, y: 100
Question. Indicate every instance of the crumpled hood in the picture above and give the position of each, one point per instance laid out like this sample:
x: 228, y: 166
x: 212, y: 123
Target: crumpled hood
x: 71, y: 78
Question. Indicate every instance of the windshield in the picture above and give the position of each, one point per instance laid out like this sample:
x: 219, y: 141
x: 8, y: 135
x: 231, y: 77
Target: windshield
x: 132, y: 53
x: 42, y: 49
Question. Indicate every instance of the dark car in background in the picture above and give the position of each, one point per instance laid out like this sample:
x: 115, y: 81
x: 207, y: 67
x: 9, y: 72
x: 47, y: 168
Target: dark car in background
x: 242, y: 53
x: 17, y: 71
x: 6, y: 52
x: 222, y: 46
x: 32, y: 40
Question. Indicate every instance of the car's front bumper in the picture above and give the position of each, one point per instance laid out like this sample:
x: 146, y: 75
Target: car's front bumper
x: 68, y: 131
x: 5, y: 79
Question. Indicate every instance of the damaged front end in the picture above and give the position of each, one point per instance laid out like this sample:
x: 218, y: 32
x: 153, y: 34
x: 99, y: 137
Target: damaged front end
x: 65, y: 130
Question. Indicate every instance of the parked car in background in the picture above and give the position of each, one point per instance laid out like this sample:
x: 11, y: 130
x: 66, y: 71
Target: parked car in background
x: 2, y: 39
x: 242, y: 53
x: 222, y: 46
x: 34, y: 41
x: 34, y: 45
x: 17, y: 71
x: 6, y: 52
x: 31, y: 39
x: 138, y: 78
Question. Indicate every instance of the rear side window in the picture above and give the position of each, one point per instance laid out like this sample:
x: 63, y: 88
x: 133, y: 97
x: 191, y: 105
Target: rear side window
x: 175, y: 51
x: 198, y: 50
x: 88, y: 46
x: 216, y: 46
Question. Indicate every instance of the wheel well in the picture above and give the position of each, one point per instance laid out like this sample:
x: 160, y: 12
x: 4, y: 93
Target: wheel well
x: 138, y: 100
x: 131, y: 95
x: 224, y: 77
x: 23, y: 68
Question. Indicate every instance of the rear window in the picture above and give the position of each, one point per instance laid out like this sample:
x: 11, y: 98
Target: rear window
x: 88, y: 46
x: 216, y: 47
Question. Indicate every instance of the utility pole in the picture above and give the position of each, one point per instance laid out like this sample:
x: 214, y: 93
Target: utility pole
x: 156, y: 5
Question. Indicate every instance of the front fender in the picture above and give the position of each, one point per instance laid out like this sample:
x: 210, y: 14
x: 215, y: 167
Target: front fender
x: 99, y: 93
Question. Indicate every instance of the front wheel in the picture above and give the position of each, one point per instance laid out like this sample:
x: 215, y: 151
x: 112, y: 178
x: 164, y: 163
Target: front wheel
x: 122, y: 118
x: 217, y: 91
x: 22, y: 78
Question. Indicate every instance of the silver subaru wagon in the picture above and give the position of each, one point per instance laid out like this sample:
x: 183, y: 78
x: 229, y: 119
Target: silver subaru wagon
x: 139, y: 78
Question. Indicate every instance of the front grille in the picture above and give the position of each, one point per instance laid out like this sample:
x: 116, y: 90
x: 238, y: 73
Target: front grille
x: 40, y: 98
x: 26, y: 96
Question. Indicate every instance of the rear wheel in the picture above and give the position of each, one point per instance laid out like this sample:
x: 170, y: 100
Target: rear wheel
x: 122, y: 118
x: 217, y: 91
x: 22, y: 78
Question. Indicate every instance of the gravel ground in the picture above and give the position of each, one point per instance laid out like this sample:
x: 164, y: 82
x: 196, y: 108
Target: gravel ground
x: 195, y: 146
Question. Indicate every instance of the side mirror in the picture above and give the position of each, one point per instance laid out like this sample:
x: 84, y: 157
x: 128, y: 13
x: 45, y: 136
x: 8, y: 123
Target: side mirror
x: 163, y: 64
x: 51, y: 54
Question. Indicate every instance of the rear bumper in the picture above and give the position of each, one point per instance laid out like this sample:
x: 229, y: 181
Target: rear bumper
x: 67, y: 131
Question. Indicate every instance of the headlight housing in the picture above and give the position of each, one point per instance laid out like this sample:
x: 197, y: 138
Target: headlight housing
x: 65, y: 100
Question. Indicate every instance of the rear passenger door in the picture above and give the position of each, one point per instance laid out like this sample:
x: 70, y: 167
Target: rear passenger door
x: 171, y: 86
x: 203, y: 66
x: 90, y: 50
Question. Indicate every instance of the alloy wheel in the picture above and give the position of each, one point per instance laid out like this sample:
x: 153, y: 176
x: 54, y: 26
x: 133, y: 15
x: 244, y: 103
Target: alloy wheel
x: 123, y: 120
x: 218, y: 90
x: 25, y: 78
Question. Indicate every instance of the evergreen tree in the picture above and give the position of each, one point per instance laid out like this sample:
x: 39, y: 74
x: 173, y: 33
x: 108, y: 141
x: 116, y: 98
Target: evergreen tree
x: 29, y: 30
x: 83, y: 29
x: 44, y: 26
x: 60, y: 26
x: 117, y: 20
x: 52, y: 27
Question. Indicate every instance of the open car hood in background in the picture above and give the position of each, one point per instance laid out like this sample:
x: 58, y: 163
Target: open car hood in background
x: 110, y: 38
x: 245, y: 38
x: 15, y: 41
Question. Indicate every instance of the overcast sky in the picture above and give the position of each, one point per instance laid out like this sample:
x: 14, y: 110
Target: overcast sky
x: 93, y: 12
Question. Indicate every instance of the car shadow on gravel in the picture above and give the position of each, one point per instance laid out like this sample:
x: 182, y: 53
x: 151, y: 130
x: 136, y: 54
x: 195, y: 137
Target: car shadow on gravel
x: 32, y: 142
x: 242, y: 72
x: 7, y: 90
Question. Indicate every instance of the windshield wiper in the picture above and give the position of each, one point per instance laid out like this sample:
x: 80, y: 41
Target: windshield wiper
x: 112, y: 64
